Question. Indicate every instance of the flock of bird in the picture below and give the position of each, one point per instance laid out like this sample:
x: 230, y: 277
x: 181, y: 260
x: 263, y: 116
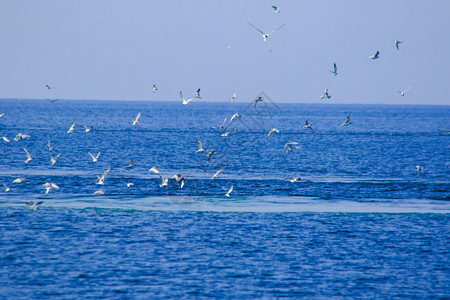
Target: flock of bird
x: 178, y: 179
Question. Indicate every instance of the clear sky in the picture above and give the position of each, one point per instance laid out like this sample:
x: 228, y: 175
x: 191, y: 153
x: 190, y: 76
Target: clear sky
x: 116, y: 50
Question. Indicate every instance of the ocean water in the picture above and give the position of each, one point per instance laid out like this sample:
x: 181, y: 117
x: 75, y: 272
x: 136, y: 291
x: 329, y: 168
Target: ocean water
x: 361, y: 222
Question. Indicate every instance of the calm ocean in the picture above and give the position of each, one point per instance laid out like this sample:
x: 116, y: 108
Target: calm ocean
x: 361, y: 223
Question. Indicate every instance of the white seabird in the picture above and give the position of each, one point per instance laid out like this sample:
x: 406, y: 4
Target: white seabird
x: 21, y: 136
x: 266, y: 35
x: 94, y: 158
x: 185, y: 102
x: 54, y: 159
x: 272, y: 131
x: 217, y: 173
x: 307, y: 125
x: 29, y: 158
x: 164, y: 180
x: 375, y: 56
x: 347, y: 121
x: 276, y: 10
x: 293, y: 179
x: 87, y: 129
x: 136, y: 121
x: 200, y: 146
x: 5, y: 139
x: 33, y: 206
x: 291, y: 146
x: 49, y: 144
x: 234, y: 97
x: 256, y: 100
x: 334, y: 72
x: 325, y: 94
x: 99, y: 192
x: 227, y: 133
x: 229, y: 191
x: 72, y: 128
x: 7, y: 189
x: 20, y: 180
x: 48, y: 186
x: 129, y: 184
x: 396, y: 43
x: 178, y: 179
x: 402, y: 93
x: 419, y: 170
x: 154, y: 88
x: 235, y: 116
x: 2, y: 114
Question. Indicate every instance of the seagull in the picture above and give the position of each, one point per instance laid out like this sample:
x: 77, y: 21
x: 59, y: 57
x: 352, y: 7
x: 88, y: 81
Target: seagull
x: 200, y: 146
x: 48, y: 186
x: 136, y: 121
x: 197, y: 94
x: 396, y: 42
x: 130, y: 184
x: 217, y: 173
x: 21, y: 136
x: 235, y: 116
x: 276, y: 10
x: 52, y: 100
x: 375, y: 56
x: 272, y: 131
x: 185, y: 102
x: 347, y: 121
x: 5, y: 139
x: 72, y: 128
x: 99, y: 192
x: 229, y: 191
x: 94, y: 158
x: 20, y: 180
x: 210, y: 153
x: 154, y: 88
x: 87, y: 129
x: 234, y: 97
x: 49, y: 144
x: 3, y: 113
x: 7, y: 189
x: 227, y: 133
x: 101, y: 179
x: 33, y: 206
x: 178, y: 179
x: 419, y: 170
x: 164, y: 180
x: 325, y: 94
x: 155, y: 170
x: 293, y: 179
x: 307, y: 125
x: 255, y: 101
x: 402, y: 93
x: 291, y: 146
x: 131, y: 164
x: 54, y: 159
x: 29, y: 158
x: 48, y: 87
x: 266, y: 35
x: 334, y: 72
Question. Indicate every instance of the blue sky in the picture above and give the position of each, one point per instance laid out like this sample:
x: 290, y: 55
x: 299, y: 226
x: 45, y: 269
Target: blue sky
x: 116, y: 50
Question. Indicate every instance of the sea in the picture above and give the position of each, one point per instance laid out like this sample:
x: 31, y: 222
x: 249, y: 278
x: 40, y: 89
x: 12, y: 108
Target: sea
x: 368, y: 216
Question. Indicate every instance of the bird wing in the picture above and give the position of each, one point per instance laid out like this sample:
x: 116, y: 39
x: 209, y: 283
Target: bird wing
x: 138, y: 117
x: 335, y: 68
x: 181, y: 95
x: 407, y: 89
x: 217, y: 173
x: 200, y: 145
x: 27, y: 153
x: 255, y: 27
x: 276, y: 29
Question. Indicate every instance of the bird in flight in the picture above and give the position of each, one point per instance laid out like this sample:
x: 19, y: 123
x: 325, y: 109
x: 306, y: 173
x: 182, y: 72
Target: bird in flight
x: 402, y: 93
x: 29, y: 158
x: 293, y: 179
x: 186, y: 102
x: 7, y: 189
x: 347, y: 121
x: 197, y: 94
x: 48, y: 186
x: 229, y: 191
x: 94, y: 158
x: 154, y: 88
x: 291, y: 146
x: 48, y: 87
x: 266, y: 35
x: 235, y: 116
x: 33, y: 206
x: 419, y: 170
x: 52, y: 100
x: 307, y: 125
x: 325, y: 94
x: 234, y: 97
x: 272, y: 131
x: 5, y: 139
x: 136, y: 121
x: 178, y: 179
x: 334, y: 72
x: 200, y: 146
x: 375, y: 56
x: 210, y: 154
x: 256, y: 100
x: 54, y: 159
x: 3, y: 113
x: 217, y: 173
x: 396, y: 43
x: 276, y: 10
x: 72, y: 128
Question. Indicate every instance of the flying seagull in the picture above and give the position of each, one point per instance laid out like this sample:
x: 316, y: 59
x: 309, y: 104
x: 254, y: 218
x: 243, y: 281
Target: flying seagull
x: 54, y: 159
x: 227, y: 133
x: 210, y: 153
x: 307, y: 125
x: 259, y: 99
x: 7, y: 189
x: 52, y: 100
x: 234, y: 97
x: 49, y: 144
x: 99, y: 192
x: 375, y: 56
x: 396, y: 42
x: 229, y: 191
x: 3, y: 113
x: 325, y: 94
x: 347, y: 121
x: 217, y: 173
x: 48, y: 186
x: 178, y: 179
x: 200, y: 146
x: 5, y: 139
x: 272, y: 131
x: 72, y: 128
x: 20, y: 180
x: 136, y: 121
x: 87, y: 129
x: 185, y: 102
x: 235, y: 116
x: 29, y: 158
x: 154, y: 88
x: 291, y: 146
x: 33, y: 206
x: 276, y: 10
x: 266, y: 35
x: 419, y: 170
x: 131, y: 164
x: 94, y: 158
x: 164, y: 180
x: 130, y: 184
x: 21, y: 136
x: 197, y: 94
x: 48, y: 87
x: 334, y: 72
x: 402, y: 93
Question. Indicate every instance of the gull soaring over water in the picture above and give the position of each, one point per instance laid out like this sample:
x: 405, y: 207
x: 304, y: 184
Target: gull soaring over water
x: 49, y: 144
x: 229, y: 191
x: 197, y: 94
x: 2, y: 114
x: 276, y: 10
x: 94, y: 158
x: 54, y: 159
x: 185, y: 102
x: 266, y: 35
x: 307, y: 125
x: 48, y: 186
x: 200, y: 146
x: 334, y: 72
x: 217, y: 173
x: 130, y: 184
x: 4, y: 138
x: 325, y: 94
x: 7, y: 189
x: 29, y: 158
x: 272, y: 131
x: 347, y: 121
x: 178, y: 179
x: 234, y: 97
x: 154, y: 88
x: 21, y: 136
x: 20, y: 180
x: 291, y: 146
x: 136, y: 121
x: 164, y: 180
x: 402, y: 93
x: 33, y: 206
x: 293, y: 179
x: 396, y: 43
x: 72, y: 128
x: 131, y: 164
x: 87, y: 129
x: 259, y: 99
x: 210, y: 154
x: 235, y: 116
x: 419, y: 170
x: 375, y: 56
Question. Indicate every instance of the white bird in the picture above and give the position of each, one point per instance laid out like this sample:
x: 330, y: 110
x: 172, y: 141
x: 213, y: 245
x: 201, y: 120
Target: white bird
x: 210, y: 154
x: 49, y: 144
x: 227, y: 133
x: 200, y: 146
x: 217, y: 173
x: 130, y: 184
x: 419, y: 170
x: 259, y: 99
x: 307, y: 125
x: 229, y: 191
x: 276, y: 10
x: 5, y: 139
x: 235, y: 116
x: 347, y: 121
x: 155, y: 170
x: 164, y: 180
x: 136, y: 121
x: 87, y: 129
x: 54, y: 159
x: 48, y: 186
x: 21, y: 136
x: 291, y: 146
x: 396, y: 43
x: 94, y: 158
x: 131, y: 164
x: 101, y: 179
x: 72, y: 128
x: 154, y: 88
x: 197, y: 94
x: 48, y: 87
x: 402, y: 93
x: 99, y: 192
x: 29, y: 158
x: 2, y: 114
x: 7, y: 189
x: 234, y: 97
x: 272, y: 131
x: 334, y: 72
x: 266, y: 35
x: 375, y: 56
x: 33, y: 206
x: 20, y: 180
x: 185, y: 102
x: 178, y: 179
x: 293, y: 179
x: 325, y: 94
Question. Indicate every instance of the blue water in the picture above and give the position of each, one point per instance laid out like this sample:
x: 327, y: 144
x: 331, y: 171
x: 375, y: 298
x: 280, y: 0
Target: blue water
x: 361, y: 222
